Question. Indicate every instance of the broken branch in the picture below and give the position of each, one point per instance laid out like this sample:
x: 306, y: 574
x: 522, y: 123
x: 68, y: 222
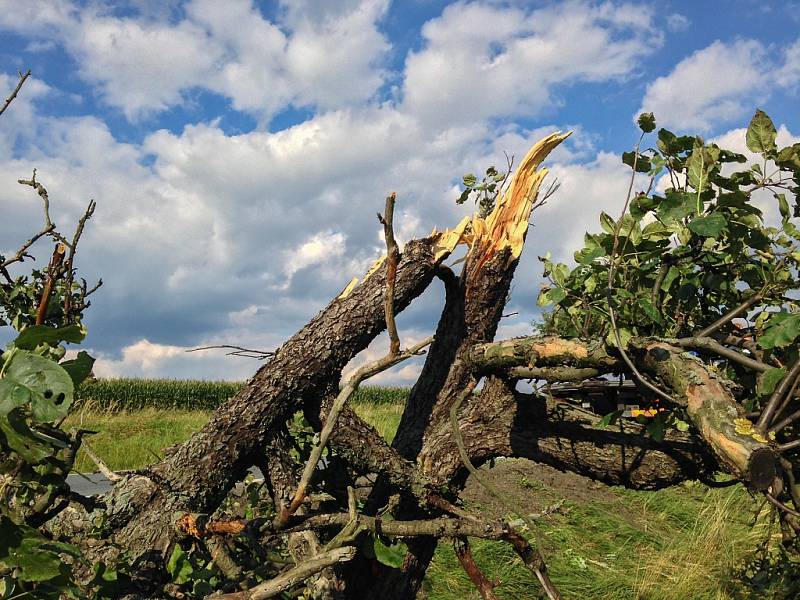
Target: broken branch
x: 23, y: 77
x: 392, y: 258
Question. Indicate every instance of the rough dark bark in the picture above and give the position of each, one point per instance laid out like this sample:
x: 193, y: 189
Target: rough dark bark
x: 196, y: 475
x: 502, y: 422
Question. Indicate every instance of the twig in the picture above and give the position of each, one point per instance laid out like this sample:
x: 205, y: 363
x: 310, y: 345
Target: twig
x: 789, y: 446
x: 101, y: 465
x: 70, y: 259
x: 22, y: 79
x: 392, y: 258
x: 610, y: 289
x: 239, y: 351
x: 781, y: 505
x: 292, y: 577
x: 53, y: 271
x: 775, y: 400
x: 729, y: 316
x: 712, y: 345
x: 479, y: 580
x: 330, y: 422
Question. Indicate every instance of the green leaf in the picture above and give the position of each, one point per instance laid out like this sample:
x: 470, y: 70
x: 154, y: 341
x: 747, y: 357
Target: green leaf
x: 646, y: 122
x: 781, y: 330
x: 79, y: 368
x: 783, y: 205
x: 23, y: 548
x: 789, y: 157
x: 656, y: 428
x: 470, y: 179
x: 640, y: 161
x: 761, y: 133
x: 42, y: 382
x: 651, y: 311
x: 557, y: 295
x: 708, y: 226
x: 32, y: 336
x: 560, y: 273
x: 179, y: 567
x: 391, y: 556
x: 610, y: 418
x: 676, y: 206
x: 698, y: 167
x: 607, y: 223
x: 769, y: 381
x: 586, y: 256
x: 31, y: 446
x: 624, y: 337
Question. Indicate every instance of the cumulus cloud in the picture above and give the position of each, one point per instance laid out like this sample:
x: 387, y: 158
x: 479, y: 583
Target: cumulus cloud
x: 716, y: 84
x: 147, y: 62
x: 480, y: 60
x: 788, y: 75
x: 203, y: 237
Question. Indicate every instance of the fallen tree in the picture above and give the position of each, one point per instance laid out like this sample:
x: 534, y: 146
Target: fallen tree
x: 686, y: 295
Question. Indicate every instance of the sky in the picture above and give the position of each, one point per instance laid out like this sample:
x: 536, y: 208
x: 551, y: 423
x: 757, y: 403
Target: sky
x: 238, y: 151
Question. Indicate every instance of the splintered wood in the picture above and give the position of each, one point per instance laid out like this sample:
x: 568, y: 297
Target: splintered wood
x: 506, y: 225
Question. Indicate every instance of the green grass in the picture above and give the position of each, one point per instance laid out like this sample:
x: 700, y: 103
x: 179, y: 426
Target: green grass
x: 130, y: 440
x: 685, y: 542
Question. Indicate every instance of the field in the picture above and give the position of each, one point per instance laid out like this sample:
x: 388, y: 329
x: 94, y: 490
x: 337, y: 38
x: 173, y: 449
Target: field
x: 687, y: 542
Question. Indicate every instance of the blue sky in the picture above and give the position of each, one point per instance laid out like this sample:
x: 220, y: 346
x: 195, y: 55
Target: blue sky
x: 238, y: 150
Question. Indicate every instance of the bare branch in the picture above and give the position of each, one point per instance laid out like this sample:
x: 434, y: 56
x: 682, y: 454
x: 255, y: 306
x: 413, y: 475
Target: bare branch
x: 238, y: 351
x: 360, y: 375
x: 392, y: 258
x: 70, y: 273
x: 729, y: 316
x: 480, y: 581
x: 775, y: 400
x: 53, y: 272
x: 101, y: 465
x: 22, y: 79
x: 294, y: 576
x: 712, y: 345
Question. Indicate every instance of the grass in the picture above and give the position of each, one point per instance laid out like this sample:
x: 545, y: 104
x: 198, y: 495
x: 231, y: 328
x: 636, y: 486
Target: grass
x: 129, y: 440
x: 685, y: 542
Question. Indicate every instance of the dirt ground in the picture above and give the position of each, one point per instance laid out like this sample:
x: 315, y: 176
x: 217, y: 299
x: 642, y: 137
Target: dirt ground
x: 537, y: 488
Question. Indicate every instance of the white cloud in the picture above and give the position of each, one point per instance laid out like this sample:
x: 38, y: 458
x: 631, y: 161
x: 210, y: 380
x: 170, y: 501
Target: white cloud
x: 677, y: 22
x: 147, y: 63
x: 788, y: 75
x: 481, y: 61
x: 716, y: 84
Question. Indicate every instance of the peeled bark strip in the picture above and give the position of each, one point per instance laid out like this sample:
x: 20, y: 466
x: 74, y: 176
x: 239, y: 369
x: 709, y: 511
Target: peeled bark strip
x: 196, y: 475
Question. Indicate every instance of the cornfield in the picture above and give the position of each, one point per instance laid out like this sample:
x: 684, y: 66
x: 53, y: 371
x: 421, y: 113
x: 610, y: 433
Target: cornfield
x: 117, y: 395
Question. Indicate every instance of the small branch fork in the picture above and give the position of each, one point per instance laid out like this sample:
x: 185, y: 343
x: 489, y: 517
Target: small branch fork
x: 23, y: 77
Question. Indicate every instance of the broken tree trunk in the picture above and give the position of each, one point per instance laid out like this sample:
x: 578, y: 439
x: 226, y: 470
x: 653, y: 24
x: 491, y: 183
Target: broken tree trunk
x: 196, y: 476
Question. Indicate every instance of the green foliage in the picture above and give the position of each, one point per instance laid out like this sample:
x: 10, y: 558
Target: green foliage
x: 690, y: 253
x: 486, y: 192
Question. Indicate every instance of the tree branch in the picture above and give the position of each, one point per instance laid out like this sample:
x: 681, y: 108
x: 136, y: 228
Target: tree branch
x: 392, y: 258
x: 23, y: 77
